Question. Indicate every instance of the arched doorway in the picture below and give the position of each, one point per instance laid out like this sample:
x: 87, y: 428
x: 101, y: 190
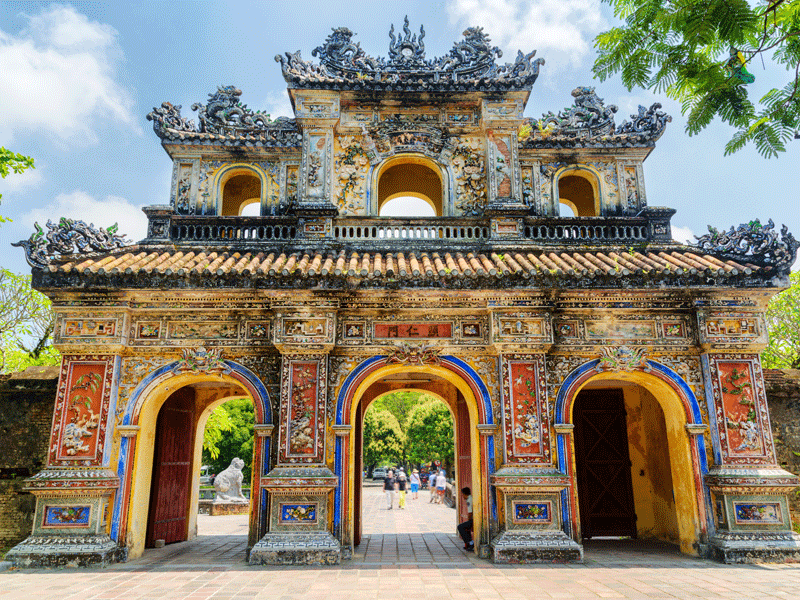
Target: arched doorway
x: 464, y: 390
x: 433, y: 389
x: 656, y: 417
x: 410, y: 176
x: 195, y: 394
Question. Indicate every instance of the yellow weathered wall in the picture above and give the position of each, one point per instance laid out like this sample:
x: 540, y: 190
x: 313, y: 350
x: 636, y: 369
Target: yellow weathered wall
x: 650, y: 466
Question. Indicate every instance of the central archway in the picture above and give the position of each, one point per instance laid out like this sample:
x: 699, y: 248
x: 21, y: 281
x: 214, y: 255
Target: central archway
x: 476, y: 402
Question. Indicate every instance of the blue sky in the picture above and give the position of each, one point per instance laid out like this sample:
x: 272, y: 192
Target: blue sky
x: 78, y: 79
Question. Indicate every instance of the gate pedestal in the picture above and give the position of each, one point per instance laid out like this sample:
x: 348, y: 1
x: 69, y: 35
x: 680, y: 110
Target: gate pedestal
x: 298, y: 519
x: 531, y: 501
x: 69, y: 527
x: 752, y: 515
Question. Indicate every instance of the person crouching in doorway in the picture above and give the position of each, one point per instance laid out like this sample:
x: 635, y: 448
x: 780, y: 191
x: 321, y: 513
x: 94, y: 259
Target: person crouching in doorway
x: 465, y: 528
x: 388, y: 487
x: 401, y: 487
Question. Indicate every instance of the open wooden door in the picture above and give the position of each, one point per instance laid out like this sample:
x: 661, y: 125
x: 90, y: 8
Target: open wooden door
x: 464, y: 456
x: 172, y: 470
x: 602, y: 459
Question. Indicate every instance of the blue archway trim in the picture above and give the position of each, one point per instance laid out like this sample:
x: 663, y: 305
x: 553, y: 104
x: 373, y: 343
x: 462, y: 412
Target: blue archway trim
x: 122, y: 466
x: 352, y: 379
x: 560, y: 414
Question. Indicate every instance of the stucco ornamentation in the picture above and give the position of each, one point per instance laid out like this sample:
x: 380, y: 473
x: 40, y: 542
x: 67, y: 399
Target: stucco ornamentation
x: 622, y: 358
x: 753, y: 242
x: 68, y: 237
x: 412, y: 354
x: 201, y: 360
x: 470, y: 175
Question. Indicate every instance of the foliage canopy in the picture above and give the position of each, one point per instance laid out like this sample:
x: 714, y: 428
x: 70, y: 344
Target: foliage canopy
x: 230, y: 434
x: 783, y: 323
x: 12, y: 162
x: 698, y: 53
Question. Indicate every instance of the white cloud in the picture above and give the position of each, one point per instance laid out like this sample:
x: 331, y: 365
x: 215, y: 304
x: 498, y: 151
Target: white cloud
x: 15, y: 182
x: 561, y: 32
x: 102, y: 213
x: 59, y: 77
x: 277, y: 104
x: 683, y: 235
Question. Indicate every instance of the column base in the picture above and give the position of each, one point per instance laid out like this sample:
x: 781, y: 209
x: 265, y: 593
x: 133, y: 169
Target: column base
x: 738, y: 547
x: 535, y: 547
x: 79, y: 551
x: 312, y: 548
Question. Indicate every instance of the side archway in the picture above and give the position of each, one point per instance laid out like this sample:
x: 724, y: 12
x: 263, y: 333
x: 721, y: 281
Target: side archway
x: 138, y: 435
x: 683, y: 422
x: 410, y: 175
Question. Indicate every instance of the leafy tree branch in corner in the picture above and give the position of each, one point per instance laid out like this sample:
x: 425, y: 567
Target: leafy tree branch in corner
x: 698, y: 53
x: 12, y: 162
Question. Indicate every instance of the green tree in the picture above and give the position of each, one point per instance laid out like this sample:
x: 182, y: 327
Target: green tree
x: 26, y: 325
x: 384, y: 441
x: 236, y: 442
x: 219, y: 423
x: 698, y: 53
x: 430, y: 434
x: 783, y: 324
x: 12, y: 162
x: 400, y: 403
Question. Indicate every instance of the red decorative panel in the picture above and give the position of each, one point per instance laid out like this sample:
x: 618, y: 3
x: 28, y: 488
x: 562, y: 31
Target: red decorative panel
x: 413, y: 330
x: 526, y: 418
x: 740, y: 407
x: 81, y: 414
x: 303, y: 398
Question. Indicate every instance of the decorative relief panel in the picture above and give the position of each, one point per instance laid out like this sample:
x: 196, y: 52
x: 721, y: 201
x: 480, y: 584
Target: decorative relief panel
x: 89, y: 328
x: 62, y: 516
x: 740, y: 407
x: 525, y: 409
x: 643, y: 329
x: 521, y: 327
x: 731, y: 329
x: 351, y: 164
x: 758, y: 513
x: 298, y: 514
x: 188, y: 330
x: 317, y: 151
x: 530, y: 513
x: 380, y: 331
x: 314, y: 332
x: 303, y: 414
x: 502, y: 164
x: 133, y: 370
x: 203, y: 330
x: 81, y: 414
x: 469, y: 171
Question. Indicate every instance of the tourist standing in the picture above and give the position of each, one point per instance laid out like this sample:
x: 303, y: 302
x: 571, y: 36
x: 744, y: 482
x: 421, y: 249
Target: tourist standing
x: 465, y: 528
x: 441, y: 484
x: 388, y: 487
x: 432, y: 486
x: 414, y: 480
x: 401, y: 487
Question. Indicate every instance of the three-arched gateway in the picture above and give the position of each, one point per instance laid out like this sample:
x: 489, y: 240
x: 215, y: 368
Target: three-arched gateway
x: 604, y: 380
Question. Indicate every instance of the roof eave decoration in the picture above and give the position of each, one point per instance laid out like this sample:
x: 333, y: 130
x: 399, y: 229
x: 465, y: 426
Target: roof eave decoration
x: 222, y: 119
x: 469, y: 66
x: 753, y: 243
x: 589, y: 122
x: 68, y: 238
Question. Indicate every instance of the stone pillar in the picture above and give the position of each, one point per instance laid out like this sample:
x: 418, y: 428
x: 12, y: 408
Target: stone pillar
x: 300, y: 485
x: 74, y: 491
x: 747, y: 487
x: 529, y: 486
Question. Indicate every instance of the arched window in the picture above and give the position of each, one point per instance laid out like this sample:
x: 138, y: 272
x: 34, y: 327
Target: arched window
x: 578, y: 192
x: 240, y: 190
x: 410, y: 186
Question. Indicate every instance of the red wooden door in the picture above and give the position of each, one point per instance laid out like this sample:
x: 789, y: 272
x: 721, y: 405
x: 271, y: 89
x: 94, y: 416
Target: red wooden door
x: 605, y: 489
x: 172, y: 470
x: 464, y: 459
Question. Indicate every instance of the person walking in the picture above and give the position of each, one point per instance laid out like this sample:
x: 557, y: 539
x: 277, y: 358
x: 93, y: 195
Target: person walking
x: 441, y: 484
x: 432, y: 486
x: 465, y: 528
x: 414, y: 480
x: 388, y: 487
x: 401, y: 487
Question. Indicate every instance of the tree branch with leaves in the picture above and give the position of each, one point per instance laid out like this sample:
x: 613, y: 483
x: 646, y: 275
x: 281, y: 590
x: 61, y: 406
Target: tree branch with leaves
x: 697, y: 52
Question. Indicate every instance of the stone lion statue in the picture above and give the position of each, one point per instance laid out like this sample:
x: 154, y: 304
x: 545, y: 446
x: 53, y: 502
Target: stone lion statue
x: 228, y: 484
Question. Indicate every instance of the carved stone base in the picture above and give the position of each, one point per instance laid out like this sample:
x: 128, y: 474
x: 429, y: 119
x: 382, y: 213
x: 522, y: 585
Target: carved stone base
x: 213, y: 508
x: 736, y: 547
x: 317, y: 548
x: 535, y: 547
x: 78, y: 551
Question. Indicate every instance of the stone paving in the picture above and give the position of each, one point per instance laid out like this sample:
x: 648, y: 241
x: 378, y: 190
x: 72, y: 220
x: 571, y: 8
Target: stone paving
x: 411, y: 553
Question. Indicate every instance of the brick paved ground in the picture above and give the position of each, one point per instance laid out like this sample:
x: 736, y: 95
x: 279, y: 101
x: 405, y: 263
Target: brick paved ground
x: 408, y: 554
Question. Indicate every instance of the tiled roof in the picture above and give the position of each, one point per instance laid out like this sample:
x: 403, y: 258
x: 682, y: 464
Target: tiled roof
x: 140, y: 266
